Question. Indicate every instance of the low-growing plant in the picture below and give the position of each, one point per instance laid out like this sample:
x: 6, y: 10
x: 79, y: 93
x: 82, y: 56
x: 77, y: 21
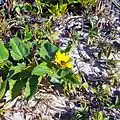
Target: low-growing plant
x: 82, y: 113
x: 25, y: 68
x: 40, y: 4
x: 58, y: 10
x: 85, y: 3
x: 32, y: 55
x: 99, y: 116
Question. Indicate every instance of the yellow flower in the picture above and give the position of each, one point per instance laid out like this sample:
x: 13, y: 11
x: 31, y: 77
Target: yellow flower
x: 63, y: 60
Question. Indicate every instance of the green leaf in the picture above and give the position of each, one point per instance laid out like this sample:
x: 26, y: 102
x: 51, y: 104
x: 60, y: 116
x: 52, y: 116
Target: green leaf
x: 16, y: 87
x: 11, y: 85
x: 17, y: 9
x: 54, y: 80
x: 85, y: 85
x: 63, y: 8
x: 3, y: 88
x: 15, y: 52
x: 42, y: 69
x: 31, y: 86
x: 75, y: 80
x: 68, y: 74
x: 98, y: 116
x: 3, y: 53
x: 19, y: 49
x: 28, y: 34
x: 18, y: 83
x: 63, y: 73
x: 47, y: 51
x: 27, y: 7
x: 16, y: 69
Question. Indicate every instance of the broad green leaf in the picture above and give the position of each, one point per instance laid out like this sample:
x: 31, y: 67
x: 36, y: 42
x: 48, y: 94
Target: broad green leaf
x: 17, y: 69
x: 54, y: 80
x: 25, y: 50
x: 47, y: 51
x: 19, y: 49
x: 15, y: 52
x: 42, y: 69
x: 18, y: 83
x: 3, y: 53
x: 31, y: 86
x: 11, y: 85
x: 16, y: 87
x: 68, y: 74
x: 3, y: 88
x: 63, y: 72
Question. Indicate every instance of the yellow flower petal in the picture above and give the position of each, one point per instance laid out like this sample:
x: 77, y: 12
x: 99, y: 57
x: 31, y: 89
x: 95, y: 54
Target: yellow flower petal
x: 63, y: 60
x: 69, y: 65
x: 66, y: 58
